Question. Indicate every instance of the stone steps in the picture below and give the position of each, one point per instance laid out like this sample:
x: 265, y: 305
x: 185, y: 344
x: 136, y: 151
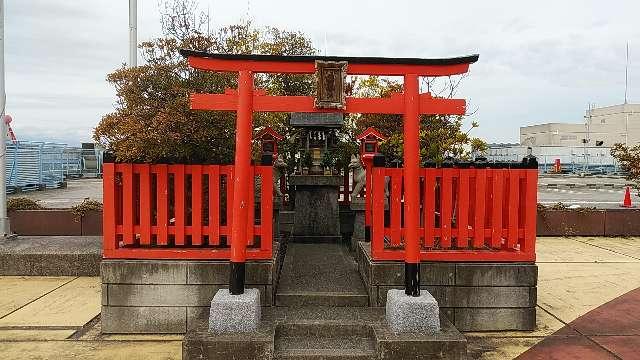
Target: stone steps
x: 321, y: 299
x: 320, y: 275
x: 324, y: 332
x: 324, y: 340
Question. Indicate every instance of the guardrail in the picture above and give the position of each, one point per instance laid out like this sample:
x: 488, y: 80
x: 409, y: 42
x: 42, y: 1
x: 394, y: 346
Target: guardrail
x: 180, y: 211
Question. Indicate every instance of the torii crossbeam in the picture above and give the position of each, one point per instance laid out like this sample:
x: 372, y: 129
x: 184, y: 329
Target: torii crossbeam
x: 246, y: 100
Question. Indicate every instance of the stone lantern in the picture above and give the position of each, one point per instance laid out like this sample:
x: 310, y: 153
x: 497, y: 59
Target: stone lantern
x: 269, y: 141
x: 370, y: 140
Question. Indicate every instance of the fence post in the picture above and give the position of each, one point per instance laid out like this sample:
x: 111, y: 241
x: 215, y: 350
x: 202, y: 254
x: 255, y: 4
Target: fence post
x: 243, y: 186
x: 530, y: 163
x: 109, y: 210
x: 377, y: 193
x: 411, y: 185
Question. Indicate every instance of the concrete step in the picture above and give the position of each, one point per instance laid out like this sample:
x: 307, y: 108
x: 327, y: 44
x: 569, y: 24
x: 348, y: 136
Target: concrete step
x: 324, y: 340
x: 324, y: 328
x: 321, y: 299
x: 330, y: 353
x: 324, y: 332
x: 51, y: 256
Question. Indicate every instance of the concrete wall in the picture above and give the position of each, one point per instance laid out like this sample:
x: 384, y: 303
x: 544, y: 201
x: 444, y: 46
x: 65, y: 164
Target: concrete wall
x: 157, y: 296
x: 610, y: 124
x: 473, y: 296
x: 558, y: 134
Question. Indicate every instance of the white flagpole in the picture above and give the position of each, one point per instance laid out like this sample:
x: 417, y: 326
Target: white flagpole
x: 4, y: 221
x: 133, y: 33
x: 626, y: 77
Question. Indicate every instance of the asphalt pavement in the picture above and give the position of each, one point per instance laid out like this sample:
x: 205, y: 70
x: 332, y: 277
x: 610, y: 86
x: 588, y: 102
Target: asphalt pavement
x: 599, y: 192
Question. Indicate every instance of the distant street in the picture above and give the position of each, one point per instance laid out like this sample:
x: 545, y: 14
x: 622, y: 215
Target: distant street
x: 570, y: 190
x: 600, y: 192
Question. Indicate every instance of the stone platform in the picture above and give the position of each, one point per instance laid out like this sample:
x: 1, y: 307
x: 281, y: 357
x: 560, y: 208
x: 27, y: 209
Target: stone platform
x: 165, y: 296
x: 51, y: 255
x: 473, y: 296
x: 324, y: 333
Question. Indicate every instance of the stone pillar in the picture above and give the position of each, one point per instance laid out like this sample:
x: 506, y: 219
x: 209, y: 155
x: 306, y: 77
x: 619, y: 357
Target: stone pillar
x: 277, y: 205
x: 358, y: 208
x: 317, y: 216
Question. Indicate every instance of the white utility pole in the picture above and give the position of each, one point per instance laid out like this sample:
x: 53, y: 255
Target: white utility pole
x: 4, y: 221
x: 626, y: 95
x: 133, y: 33
x: 626, y: 77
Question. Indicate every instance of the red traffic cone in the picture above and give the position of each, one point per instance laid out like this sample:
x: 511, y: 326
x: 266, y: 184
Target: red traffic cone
x: 627, y: 199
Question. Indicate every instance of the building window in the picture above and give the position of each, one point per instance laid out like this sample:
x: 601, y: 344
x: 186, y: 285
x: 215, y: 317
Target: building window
x: 603, y: 121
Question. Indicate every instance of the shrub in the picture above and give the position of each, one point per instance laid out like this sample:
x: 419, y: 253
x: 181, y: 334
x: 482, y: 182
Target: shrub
x: 81, y: 209
x: 23, y: 203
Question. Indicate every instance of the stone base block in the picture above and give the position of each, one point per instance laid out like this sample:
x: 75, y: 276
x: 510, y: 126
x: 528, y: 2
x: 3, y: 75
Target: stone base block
x: 234, y: 313
x: 473, y: 296
x: 316, y: 205
x: 168, y: 296
x: 201, y: 344
x: 448, y: 344
x: 412, y: 313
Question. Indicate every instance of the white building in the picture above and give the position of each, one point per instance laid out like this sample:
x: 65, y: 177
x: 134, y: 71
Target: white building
x: 603, y: 126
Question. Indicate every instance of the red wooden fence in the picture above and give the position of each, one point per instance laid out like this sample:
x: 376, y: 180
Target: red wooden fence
x: 466, y: 214
x: 180, y: 212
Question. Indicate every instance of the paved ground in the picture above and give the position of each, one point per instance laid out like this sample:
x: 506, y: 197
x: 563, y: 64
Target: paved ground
x: 576, y: 275
x: 599, y: 198
x: 56, y: 317
x: 75, y: 193
x: 600, y: 192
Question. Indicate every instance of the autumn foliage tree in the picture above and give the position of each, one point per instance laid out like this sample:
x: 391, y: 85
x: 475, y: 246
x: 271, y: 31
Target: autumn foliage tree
x: 152, y: 121
x: 440, y: 136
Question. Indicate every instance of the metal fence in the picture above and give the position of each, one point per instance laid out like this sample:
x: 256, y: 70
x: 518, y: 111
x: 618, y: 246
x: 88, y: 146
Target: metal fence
x: 35, y: 165
x: 578, y: 159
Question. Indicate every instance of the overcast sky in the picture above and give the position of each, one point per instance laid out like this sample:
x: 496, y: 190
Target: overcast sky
x: 543, y: 61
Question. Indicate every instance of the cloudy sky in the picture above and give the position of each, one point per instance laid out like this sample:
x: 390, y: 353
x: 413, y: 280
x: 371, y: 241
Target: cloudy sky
x: 540, y: 61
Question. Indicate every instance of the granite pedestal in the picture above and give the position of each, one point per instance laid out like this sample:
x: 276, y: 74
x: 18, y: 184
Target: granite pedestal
x: 317, y: 216
x: 234, y: 313
x: 412, y: 313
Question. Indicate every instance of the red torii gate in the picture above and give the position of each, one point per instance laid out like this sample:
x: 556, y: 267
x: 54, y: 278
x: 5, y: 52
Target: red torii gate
x: 245, y: 100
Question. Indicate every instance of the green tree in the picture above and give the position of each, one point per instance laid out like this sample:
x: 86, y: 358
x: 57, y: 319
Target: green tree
x: 629, y: 159
x: 440, y: 136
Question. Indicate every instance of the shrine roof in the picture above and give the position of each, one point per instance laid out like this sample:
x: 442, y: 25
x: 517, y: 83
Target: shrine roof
x: 269, y: 131
x: 350, y: 59
x: 370, y: 131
